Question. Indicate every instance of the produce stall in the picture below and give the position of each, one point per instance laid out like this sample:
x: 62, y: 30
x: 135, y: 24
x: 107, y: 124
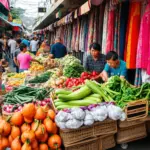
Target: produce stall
x: 58, y: 105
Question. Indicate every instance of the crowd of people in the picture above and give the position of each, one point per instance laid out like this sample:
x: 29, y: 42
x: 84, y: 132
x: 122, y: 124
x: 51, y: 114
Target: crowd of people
x: 17, y: 50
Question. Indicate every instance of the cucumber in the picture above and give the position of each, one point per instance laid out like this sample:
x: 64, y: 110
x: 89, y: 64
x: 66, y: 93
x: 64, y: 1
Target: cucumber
x: 79, y: 94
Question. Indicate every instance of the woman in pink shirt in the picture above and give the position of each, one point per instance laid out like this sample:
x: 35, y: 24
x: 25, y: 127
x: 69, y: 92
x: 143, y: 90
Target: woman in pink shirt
x: 24, y: 59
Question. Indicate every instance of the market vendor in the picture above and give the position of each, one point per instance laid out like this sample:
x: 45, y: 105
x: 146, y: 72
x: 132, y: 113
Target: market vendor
x: 114, y: 66
x: 24, y: 59
x: 95, y: 61
x: 58, y: 50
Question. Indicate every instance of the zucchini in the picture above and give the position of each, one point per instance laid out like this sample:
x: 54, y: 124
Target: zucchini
x: 79, y: 94
x: 62, y: 91
x: 95, y: 95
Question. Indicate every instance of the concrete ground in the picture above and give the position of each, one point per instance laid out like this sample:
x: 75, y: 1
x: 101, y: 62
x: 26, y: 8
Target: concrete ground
x: 143, y: 144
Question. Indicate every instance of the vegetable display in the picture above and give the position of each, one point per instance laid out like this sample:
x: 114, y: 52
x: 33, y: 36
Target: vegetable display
x: 74, y: 118
x: 74, y: 70
x: 70, y: 82
x: 24, y: 94
x: 41, y: 78
x: 33, y: 128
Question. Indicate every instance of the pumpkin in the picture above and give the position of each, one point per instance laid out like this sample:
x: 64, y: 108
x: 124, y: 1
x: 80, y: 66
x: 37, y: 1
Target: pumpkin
x: 40, y: 114
x: 17, y: 119
x: 27, y: 135
x: 54, y: 142
x: 44, y: 138
x: 51, y: 114
x: 15, y: 132
x: 5, y: 128
x: 49, y: 125
x: 39, y: 133
x: 10, y: 139
x: 28, y: 120
x: 26, y: 146
x: 25, y: 127
x: 43, y: 146
x: 29, y: 110
x: 16, y: 144
x: 34, y: 144
x: 55, y: 128
x: 4, y: 142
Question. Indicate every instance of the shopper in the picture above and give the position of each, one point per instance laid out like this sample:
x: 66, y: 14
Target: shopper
x: 24, y: 59
x: 114, y: 66
x: 95, y: 61
x: 12, y: 44
x: 34, y: 45
x: 26, y: 41
x: 17, y: 51
x: 58, y: 50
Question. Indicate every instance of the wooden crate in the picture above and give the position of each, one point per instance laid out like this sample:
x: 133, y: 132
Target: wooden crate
x: 133, y: 133
x: 136, y: 110
x: 98, y: 128
x: 107, y: 142
x: 89, y: 144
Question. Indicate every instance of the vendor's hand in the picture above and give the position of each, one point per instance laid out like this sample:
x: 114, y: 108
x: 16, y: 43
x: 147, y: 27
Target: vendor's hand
x: 97, y: 77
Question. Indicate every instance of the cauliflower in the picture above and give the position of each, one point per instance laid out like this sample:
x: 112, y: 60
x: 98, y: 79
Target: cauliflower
x: 78, y: 113
x: 74, y: 124
x: 88, y: 120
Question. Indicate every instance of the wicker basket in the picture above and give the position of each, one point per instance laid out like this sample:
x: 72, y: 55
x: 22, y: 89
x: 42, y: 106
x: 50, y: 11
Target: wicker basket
x: 107, y: 142
x: 105, y: 127
x: 89, y: 144
x: 126, y: 124
x: 136, y: 110
x: 85, y: 132
x: 132, y: 133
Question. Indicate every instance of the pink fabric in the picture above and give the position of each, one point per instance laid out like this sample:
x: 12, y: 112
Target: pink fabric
x: 143, y: 51
x: 110, y: 34
x: 5, y: 3
x: 24, y: 61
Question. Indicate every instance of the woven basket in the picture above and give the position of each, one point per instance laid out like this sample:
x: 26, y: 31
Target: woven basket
x: 126, y: 124
x: 89, y: 144
x: 132, y: 133
x: 136, y: 110
x: 99, y: 128
x: 107, y: 142
x: 105, y: 127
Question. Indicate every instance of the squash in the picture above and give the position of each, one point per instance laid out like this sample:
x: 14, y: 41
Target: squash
x: 39, y: 133
x: 51, y: 114
x: 40, y: 114
x: 49, y: 125
x: 15, y: 132
x: 43, y: 146
x: 17, y: 119
x: 25, y: 127
x: 16, y: 144
x: 28, y: 135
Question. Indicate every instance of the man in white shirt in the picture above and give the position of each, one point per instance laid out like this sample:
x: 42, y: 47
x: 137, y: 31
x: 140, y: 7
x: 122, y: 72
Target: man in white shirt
x: 12, y: 44
x: 34, y: 45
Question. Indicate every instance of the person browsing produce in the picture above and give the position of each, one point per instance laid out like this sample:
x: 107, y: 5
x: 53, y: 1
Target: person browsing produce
x: 24, y: 58
x: 114, y: 66
x: 95, y: 61
x: 58, y: 50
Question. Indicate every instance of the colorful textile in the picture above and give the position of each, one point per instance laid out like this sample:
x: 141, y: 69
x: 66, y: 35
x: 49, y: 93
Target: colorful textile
x: 132, y: 34
x: 138, y: 78
x: 77, y: 36
x: 74, y: 35
x: 110, y: 30
x: 104, y: 38
x: 123, y: 27
x: 143, y: 55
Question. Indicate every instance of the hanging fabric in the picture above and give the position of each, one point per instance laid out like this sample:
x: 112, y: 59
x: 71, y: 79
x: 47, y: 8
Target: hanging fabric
x: 123, y: 27
x: 143, y: 56
x: 91, y: 28
x: 110, y: 30
x: 138, y: 78
x: 74, y: 35
x: 105, y: 28
x: 77, y: 36
x: 132, y: 34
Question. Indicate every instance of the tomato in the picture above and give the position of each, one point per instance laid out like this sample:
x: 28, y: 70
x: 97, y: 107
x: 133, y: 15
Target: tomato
x: 94, y: 73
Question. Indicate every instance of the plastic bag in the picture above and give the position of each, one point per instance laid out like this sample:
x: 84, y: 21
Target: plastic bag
x: 74, y: 124
x: 99, y: 113
x: 78, y: 113
x: 88, y: 120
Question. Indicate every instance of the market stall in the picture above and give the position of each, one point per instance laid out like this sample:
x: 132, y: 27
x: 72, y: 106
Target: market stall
x: 57, y: 104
